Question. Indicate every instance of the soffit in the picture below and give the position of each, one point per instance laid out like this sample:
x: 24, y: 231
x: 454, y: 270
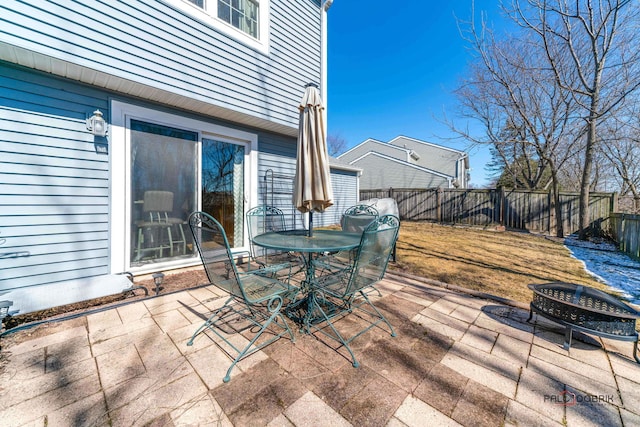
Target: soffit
x: 47, y: 64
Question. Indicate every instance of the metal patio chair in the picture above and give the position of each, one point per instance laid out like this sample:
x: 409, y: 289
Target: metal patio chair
x: 355, y: 219
x: 255, y: 300
x: 344, y: 292
x: 263, y: 219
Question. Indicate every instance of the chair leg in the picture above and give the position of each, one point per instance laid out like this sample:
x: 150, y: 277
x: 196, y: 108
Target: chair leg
x: 170, y: 236
x: 380, y: 315
x: 313, y: 305
x: 139, y: 246
x: 274, y: 306
x: 568, y: 332
x: 184, y: 240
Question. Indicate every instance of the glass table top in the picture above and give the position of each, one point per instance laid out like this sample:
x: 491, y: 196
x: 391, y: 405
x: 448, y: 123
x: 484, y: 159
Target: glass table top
x: 299, y: 240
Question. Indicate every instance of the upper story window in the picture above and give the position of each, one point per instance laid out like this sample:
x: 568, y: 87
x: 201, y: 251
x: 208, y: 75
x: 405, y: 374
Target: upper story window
x: 244, y: 20
x: 242, y: 14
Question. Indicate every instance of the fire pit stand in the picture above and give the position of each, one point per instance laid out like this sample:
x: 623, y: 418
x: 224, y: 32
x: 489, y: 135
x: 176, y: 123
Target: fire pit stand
x: 585, y: 309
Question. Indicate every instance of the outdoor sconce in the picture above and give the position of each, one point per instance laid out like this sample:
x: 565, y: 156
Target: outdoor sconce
x: 157, y: 279
x: 96, y: 124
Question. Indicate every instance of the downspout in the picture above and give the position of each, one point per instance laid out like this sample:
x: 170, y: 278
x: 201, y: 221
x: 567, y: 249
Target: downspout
x: 463, y: 170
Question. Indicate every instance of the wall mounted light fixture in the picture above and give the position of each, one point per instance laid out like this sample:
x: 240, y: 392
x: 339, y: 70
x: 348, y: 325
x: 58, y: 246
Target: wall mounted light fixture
x: 96, y: 124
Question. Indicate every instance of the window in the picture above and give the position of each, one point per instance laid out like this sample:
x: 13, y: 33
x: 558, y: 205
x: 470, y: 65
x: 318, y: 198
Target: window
x: 199, y: 3
x: 242, y: 14
x: 245, y: 20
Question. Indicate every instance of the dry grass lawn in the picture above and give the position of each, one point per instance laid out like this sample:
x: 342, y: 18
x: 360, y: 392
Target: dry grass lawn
x: 498, y: 263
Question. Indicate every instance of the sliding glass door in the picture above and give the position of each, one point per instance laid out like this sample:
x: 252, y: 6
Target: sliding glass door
x: 166, y: 187
x: 222, y: 189
x: 163, y: 191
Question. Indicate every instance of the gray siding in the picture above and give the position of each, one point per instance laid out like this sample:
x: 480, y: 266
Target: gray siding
x: 276, y: 171
x: 54, y: 182
x: 345, y: 194
x: 395, y: 175
x: 151, y: 43
x: 431, y: 156
x: 382, y: 148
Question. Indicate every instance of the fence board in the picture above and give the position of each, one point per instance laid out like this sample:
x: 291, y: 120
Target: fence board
x: 625, y: 229
x: 514, y: 209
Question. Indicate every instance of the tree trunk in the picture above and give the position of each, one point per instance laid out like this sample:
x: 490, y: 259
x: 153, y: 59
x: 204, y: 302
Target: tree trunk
x: 585, y: 184
x: 557, y: 207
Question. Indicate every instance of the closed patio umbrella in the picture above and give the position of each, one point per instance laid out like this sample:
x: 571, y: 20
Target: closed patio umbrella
x: 312, y: 190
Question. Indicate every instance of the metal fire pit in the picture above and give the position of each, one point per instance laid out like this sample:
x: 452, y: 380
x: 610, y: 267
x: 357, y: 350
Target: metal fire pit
x: 587, y: 310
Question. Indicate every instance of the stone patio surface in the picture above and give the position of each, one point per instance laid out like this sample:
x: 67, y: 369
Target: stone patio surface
x: 456, y: 360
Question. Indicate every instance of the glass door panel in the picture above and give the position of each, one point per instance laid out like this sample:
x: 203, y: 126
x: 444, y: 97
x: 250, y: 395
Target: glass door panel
x: 223, y: 191
x: 163, y: 192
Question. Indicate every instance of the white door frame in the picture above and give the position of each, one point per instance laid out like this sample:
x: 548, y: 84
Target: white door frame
x: 120, y: 176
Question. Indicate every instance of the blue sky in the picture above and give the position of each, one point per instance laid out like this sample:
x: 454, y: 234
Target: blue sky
x: 392, y: 67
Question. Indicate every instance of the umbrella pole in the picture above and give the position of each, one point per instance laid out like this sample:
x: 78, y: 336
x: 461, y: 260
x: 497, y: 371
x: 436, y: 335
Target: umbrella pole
x: 310, y: 223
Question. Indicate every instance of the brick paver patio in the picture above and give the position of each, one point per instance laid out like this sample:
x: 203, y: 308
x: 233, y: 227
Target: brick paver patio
x: 457, y: 360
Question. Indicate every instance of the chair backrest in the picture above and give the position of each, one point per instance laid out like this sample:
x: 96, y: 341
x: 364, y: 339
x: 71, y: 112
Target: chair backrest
x: 356, y: 218
x: 373, y: 254
x: 157, y: 205
x: 263, y: 219
x: 213, y: 247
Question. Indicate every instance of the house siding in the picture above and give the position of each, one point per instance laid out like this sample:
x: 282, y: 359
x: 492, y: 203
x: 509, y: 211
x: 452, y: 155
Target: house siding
x: 60, y: 61
x: 345, y: 194
x: 433, y: 157
x: 154, y: 45
x: 382, y: 148
x: 395, y: 175
x: 276, y: 173
x: 55, y: 180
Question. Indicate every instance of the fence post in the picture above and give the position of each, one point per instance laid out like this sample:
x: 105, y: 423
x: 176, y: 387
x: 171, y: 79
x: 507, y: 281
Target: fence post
x: 552, y: 211
x: 439, y: 204
x: 501, y: 200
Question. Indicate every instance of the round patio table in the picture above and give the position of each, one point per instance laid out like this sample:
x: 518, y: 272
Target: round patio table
x: 299, y: 241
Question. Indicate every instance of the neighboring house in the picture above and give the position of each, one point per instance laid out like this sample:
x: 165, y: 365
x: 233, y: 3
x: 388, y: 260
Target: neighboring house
x: 406, y: 162
x: 201, y: 104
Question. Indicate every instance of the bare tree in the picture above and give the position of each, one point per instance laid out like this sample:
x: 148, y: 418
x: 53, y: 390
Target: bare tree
x: 589, y: 47
x: 336, y: 144
x: 528, y: 120
x: 621, y: 148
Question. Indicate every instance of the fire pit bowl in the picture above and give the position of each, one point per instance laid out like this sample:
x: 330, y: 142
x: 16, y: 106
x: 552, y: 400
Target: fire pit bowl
x: 585, y: 309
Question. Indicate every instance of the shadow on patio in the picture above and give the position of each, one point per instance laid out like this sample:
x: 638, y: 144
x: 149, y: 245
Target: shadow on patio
x: 456, y: 360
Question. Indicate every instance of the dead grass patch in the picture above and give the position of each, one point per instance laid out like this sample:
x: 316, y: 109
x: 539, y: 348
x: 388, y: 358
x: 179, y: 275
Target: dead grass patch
x: 498, y: 263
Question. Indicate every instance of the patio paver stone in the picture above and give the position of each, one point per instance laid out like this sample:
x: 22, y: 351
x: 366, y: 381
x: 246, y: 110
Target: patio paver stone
x: 456, y: 360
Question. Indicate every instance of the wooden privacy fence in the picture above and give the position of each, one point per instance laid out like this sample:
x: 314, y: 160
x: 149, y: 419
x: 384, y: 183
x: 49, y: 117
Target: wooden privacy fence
x: 625, y: 229
x: 516, y: 209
